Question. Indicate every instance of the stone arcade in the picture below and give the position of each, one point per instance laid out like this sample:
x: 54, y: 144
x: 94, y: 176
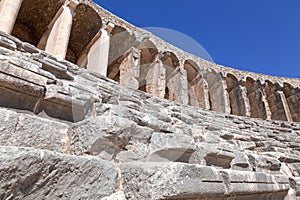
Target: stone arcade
x: 94, y: 108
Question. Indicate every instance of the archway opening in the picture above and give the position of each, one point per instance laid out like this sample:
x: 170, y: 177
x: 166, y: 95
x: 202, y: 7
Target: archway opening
x: 86, y: 24
x: 148, y: 52
x: 33, y: 19
x: 170, y: 63
x: 121, y: 41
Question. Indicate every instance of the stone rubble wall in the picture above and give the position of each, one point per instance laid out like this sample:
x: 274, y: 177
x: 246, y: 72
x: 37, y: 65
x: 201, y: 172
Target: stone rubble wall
x: 73, y: 134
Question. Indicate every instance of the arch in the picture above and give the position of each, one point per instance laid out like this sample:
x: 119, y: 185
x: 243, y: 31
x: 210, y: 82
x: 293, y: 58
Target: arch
x: 170, y: 62
x: 121, y: 41
x: 218, y: 96
x: 197, y: 86
x: 33, y: 18
x: 239, y: 101
x: 192, y: 69
x: 293, y: 100
x: 86, y: 24
x: 149, y: 53
x: 277, y: 102
x: 259, y: 106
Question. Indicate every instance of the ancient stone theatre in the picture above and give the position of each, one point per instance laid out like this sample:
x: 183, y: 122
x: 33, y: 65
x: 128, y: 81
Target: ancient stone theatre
x: 93, y: 107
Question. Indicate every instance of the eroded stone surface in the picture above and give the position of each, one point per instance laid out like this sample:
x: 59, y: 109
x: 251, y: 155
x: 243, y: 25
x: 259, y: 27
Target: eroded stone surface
x: 34, y: 174
x: 198, y: 153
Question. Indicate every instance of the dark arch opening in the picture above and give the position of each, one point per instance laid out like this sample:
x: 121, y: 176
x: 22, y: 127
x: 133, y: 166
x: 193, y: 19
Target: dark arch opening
x: 121, y: 40
x: 86, y: 24
x: 170, y: 62
x: 236, y: 96
x: 33, y: 18
x: 293, y: 99
x: 276, y: 100
x: 195, y: 86
x: 148, y: 55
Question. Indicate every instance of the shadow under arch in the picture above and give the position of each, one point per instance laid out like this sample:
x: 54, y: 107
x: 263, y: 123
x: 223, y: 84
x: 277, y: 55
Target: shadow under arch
x: 148, y: 52
x: 276, y: 100
x: 86, y: 24
x: 218, y: 96
x: 170, y: 62
x: 33, y: 19
x: 293, y: 100
x: 197, y: 86
x: 239, y: 102
x: 120, y: 43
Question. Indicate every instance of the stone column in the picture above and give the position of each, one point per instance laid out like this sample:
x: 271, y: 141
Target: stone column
x: 9, y: 10
x: 198, y: 93
x: 285, y: 106
x: 95, y: 57
x: 178, y: 86
x: 130, y: 69
x: 156, y: 79
x: 266, y: 105
x: 226, y: 100
x: 56, y: 39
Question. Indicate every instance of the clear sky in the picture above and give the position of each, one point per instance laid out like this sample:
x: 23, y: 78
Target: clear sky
x: 259, y: 35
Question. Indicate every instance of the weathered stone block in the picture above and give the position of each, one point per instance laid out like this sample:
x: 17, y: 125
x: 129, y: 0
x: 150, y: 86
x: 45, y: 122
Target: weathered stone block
x: 34, y: 174
x: 25, y: 130
x: 171, y: 147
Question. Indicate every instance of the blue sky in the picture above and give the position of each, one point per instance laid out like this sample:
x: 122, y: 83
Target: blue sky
x: 259, y: 35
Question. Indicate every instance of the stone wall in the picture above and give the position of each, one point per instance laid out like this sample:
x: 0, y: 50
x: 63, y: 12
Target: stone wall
x: 73, y: 134
x: 89, y: 36
x: 146, y: 121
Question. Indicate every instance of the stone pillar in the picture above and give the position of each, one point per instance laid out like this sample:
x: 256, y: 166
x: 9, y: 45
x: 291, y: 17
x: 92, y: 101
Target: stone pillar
x: 285, y: 106
x: 293, y: 100
x: 198, y: 93
x: 56, y: 39
x: 218, y: 94
x: 95, y: 57
x: 277, y: 102
x: 259, y: 106
x: 226, y: 100
x: 267, y: 108
x: 239, y: 101
x: 156, y: 79
x: 178, y: 86
x: 130, y: 69
x: 9, y: 10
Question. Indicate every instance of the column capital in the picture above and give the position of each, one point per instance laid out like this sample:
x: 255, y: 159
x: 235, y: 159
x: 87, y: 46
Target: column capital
x: 109, y: 27
x: 72, y: 4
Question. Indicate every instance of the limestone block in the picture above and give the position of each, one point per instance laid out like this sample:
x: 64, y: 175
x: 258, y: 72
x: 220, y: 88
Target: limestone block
x: 25, y: 130
x: 28, y: 174
x: 171, y: 147
x: 170, y: 180
x: 110, y: 134
x: 240, y: 162
x: 185, y: 181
